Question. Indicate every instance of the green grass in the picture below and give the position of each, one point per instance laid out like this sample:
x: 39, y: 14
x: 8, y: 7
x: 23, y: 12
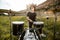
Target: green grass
x: 48, y: 28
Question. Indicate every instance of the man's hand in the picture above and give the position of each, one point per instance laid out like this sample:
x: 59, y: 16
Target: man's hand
x: 29, y: 19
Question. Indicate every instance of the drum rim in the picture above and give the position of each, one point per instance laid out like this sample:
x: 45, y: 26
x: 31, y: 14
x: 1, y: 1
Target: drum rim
x: 17, y: 22
x: 38, y: 23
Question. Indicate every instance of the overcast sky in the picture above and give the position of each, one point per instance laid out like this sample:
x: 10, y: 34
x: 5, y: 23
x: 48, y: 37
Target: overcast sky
x: 18, y: 5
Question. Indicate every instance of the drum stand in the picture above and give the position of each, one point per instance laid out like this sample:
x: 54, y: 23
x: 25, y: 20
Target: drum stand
x: 36, y: 34
x: 55, y: 21
x: 10, y: 24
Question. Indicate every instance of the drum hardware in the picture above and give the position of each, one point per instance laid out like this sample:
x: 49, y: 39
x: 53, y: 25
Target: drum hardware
x: 55, y: 21
x: 47, y: 17
x: 10, y: 24
x: 37, y: 26
x: 33, y: 29
x: 35, y: 34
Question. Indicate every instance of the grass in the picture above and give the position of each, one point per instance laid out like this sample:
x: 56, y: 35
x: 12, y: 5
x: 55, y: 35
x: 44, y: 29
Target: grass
x: 48, y: 28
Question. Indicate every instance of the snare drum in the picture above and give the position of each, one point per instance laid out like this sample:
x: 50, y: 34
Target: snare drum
x: 17, y: 27
x: 39, y: 25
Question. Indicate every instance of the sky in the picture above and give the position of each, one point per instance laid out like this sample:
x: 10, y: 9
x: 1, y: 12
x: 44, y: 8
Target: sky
x: 18, y: 5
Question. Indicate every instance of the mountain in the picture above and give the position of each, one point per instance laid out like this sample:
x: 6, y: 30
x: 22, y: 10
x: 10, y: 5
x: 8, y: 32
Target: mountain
x: 50, y: 4
x: 8, y: 11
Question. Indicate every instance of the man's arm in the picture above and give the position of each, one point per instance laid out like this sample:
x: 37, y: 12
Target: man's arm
x: 29, y: 19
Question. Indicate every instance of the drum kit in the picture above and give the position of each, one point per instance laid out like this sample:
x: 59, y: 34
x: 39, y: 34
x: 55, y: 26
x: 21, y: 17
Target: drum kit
x: 24, y: 34
x: 17, y: 29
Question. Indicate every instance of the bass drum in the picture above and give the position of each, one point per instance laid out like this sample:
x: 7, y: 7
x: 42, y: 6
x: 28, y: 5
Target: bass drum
x: 30, y: 35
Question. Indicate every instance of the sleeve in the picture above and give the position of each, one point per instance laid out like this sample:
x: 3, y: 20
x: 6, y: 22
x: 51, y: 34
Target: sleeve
x: 28, y: 14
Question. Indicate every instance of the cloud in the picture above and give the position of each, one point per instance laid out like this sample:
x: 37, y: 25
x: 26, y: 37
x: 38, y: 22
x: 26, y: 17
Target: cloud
x: 17, y: 5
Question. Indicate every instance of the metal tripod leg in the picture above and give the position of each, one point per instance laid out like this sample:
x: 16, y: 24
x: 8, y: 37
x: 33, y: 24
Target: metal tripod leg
x: 36, y: 34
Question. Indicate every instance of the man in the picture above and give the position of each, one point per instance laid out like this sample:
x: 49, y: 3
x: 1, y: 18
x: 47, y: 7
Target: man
x: 31, y: 16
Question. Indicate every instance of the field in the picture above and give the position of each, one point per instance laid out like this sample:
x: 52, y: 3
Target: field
x: 47, y: 30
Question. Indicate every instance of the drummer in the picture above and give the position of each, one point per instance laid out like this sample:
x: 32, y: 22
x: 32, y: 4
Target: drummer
x: 31, y: 16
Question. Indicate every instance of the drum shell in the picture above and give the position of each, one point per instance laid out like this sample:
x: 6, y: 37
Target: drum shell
x: 17, y: 29
x: 39, y: 25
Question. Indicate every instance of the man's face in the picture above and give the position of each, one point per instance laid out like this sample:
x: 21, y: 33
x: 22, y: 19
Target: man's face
x: 32, y: 9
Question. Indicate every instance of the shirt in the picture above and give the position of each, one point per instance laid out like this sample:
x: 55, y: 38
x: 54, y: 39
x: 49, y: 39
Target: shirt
x: 32, y: 16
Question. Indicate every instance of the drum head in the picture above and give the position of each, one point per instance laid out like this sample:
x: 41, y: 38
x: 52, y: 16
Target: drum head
x: 38, y: 23
x: 18, y: 22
